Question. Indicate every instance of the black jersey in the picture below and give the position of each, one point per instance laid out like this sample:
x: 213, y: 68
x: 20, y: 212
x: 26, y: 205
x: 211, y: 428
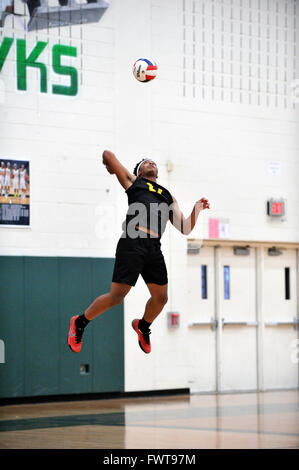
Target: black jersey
x: 149, y: 206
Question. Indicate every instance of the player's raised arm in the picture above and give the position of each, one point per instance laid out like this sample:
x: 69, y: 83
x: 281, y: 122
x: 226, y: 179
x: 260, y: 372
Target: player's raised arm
x: 114, y: 167
x: 186, y: 225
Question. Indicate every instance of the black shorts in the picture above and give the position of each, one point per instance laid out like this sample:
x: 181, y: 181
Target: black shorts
x: 139, y: 256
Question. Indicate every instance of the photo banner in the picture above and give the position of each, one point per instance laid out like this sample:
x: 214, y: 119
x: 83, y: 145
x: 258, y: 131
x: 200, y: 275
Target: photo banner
x: 14, y: 192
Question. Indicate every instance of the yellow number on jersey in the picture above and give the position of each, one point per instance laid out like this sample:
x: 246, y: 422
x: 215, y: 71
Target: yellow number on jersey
x: 151, y: 188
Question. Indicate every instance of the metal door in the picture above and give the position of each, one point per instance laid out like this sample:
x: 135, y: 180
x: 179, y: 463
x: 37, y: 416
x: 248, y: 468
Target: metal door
x: 280, y: 332
x: 201, y: 320
x: 237, y: 333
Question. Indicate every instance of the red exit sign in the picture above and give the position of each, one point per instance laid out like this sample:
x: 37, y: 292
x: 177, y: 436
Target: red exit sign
x: 276, y: 208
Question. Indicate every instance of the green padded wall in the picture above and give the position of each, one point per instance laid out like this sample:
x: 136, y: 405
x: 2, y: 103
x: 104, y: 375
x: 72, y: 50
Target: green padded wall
x: 38, y: 295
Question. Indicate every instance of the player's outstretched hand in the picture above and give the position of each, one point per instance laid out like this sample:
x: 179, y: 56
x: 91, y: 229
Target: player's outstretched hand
x: 202, y: 204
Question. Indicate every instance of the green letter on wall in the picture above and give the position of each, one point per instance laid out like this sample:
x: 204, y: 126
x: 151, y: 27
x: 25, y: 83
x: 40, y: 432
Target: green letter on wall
x: 23, y: 63
x: 4, y: 50
x: 58, y: 51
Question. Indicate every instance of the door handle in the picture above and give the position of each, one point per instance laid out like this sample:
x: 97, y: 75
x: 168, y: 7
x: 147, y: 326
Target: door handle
x: 294, y: 323
x: 213, y: 323
x: 238, y: 322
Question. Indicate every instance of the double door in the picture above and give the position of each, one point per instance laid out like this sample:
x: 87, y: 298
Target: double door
x: 242, y: 321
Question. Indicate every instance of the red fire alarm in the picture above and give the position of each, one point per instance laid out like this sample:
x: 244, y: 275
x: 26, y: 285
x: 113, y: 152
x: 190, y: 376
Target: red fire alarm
x: 276, y: 207
x: 173, y: 319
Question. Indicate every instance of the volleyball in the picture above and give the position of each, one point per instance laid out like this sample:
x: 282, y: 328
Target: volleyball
x: 145, y: 70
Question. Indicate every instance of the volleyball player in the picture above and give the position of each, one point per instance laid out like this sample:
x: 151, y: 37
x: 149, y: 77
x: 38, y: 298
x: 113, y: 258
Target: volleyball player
x: 23, y: 181
x: 2, y: 179
x: 7, y: 180
x: 139, y: 248
x: 16, y: 180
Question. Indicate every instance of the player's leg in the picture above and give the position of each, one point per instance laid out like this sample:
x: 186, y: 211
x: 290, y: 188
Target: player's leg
x: 155, y: 277
x: 153, y: 308
x: 156, y: 302
x: 127, y: 266
x: 102, y: 303
x: 23, y: 188
x: 8, y: 186
x: 15, y: 186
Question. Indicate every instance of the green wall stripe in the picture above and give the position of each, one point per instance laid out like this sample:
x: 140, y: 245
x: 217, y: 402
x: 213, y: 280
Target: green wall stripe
x: 38, y: 295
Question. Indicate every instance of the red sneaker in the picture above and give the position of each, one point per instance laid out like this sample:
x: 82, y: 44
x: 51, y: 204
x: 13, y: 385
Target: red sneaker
x: 143, y: 338
x: 75, y: 336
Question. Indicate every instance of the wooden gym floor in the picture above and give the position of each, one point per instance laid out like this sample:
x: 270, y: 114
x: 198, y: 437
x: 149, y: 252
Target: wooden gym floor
x: 268, y: 420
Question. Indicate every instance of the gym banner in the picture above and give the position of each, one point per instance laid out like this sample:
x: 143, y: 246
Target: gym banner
x: 14, y: 192
x: 44, y: 14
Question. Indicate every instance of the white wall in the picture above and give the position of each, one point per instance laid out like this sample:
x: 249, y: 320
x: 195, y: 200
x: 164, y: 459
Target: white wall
x: 204, y: 112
